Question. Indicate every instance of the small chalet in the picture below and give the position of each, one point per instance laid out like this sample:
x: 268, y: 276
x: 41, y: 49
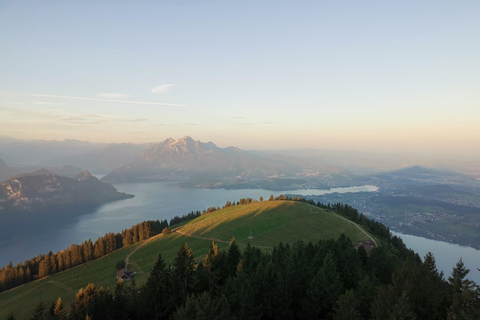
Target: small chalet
x: 124, y: 275
x: 368, y: 245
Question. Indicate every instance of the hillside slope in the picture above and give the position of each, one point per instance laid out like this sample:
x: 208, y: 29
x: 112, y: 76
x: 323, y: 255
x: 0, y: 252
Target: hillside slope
x: 269, y: 222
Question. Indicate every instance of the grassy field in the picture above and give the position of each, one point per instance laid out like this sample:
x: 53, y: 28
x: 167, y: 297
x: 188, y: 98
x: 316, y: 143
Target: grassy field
x: 269, y: 222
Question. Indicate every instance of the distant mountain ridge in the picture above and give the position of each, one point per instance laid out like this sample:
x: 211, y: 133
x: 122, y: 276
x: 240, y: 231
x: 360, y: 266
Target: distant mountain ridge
x: 104, y: 158
x: 43, y: 190
x: 186, y: 159
x: 5, y: 171
x: 35, y: 152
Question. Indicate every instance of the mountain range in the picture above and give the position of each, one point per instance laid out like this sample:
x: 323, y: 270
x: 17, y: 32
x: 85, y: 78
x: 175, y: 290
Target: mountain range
x: 42, y: 191
x: 5, y: 171
x: 189, y: 160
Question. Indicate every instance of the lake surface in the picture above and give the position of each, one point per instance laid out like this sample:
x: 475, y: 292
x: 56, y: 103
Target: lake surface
x: 27, y: 237
x: 446, y: 254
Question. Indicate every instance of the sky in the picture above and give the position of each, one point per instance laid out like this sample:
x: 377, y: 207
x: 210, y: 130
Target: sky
x: 340, y: 75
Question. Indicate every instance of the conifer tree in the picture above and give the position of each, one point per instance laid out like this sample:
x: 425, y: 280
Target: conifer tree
x: 119, y: 306
x: 40, y: 313
x: 233, y: 258
x: 59, y: 310
x: 44, y: 268
x: 203, y: 307
x: 183, y: 274
x: 211, y: 255
x: 324, y: 289
x: 157, y: 296
x: 402, y: 309
x: 465, y: 294
x: 347, y: 307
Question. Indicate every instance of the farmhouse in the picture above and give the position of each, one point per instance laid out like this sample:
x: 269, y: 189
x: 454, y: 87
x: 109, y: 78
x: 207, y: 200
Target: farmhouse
x: 124, y: 275
x: 366, y: 244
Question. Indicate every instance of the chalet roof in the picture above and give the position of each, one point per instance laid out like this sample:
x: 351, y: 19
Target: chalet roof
x: 368, y: 245
x: 123, y: 274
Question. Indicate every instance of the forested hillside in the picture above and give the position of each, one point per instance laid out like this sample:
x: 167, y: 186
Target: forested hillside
x: 315, y: 279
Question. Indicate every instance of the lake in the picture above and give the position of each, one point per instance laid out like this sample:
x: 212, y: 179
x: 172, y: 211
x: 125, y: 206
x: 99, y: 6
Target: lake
x: 446, y: 254
x: 26, y: 237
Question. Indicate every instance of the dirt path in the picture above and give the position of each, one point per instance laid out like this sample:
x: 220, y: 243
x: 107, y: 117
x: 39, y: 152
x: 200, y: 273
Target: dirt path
x: 214, y: 239
x: 198, y: 237
x: 127, y: 258
x: 356, y: 225
x: 61, y: 285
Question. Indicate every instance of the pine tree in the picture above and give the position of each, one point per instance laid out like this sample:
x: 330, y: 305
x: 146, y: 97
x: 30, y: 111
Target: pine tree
x: 85, y: 300
x: 157, y: 296
x: 402, y: 309
x: 458, y: 276
x: 347, y: 307
x: 465, y: 295
x: 430, y: 291
x: 233, y: 257
x: 203, y: 307
x: 40, y: 312
x: 59, y: 310
x: 324, y: 289
x: 211, y: 255
x: 44, y: 268
x: 119, y: 306
x: 183, y: 273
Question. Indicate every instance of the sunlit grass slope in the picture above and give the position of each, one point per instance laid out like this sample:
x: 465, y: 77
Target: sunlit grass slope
x: 269, y: 222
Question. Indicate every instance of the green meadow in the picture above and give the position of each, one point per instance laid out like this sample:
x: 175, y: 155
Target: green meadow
x: 262, y: 224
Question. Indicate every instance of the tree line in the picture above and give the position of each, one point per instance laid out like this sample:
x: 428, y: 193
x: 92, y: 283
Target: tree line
x: 329, y: 279
x: 46, y: 264
x: 76, y: 254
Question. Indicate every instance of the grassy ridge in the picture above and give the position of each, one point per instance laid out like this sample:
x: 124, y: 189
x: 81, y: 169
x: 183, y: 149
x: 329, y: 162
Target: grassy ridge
x: 269, y: 221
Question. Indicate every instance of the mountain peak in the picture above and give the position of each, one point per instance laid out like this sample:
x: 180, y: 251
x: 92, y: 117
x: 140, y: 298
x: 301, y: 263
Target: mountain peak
x: 38, y: 172
x: 84, y: 175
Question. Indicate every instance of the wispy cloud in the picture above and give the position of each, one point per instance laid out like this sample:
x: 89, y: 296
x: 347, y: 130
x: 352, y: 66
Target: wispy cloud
x: 106, y: 100
x: 81, y: 120
x: 239, y: 117
x: 163, y: 88
x: 137, y: 120
x: 43, y: 103
x: 113, y: 95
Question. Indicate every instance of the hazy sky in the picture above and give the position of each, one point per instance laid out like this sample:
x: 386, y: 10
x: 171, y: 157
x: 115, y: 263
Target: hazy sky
x: 374, y: 75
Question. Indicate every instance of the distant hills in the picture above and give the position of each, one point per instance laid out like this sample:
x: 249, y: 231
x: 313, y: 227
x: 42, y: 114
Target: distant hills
x: 99, y: 158
x: 207, y: 165
x: 103, y: 159
x: 35, y: 152
x: 42, y: 191
x: 68, y: 171
x: 5, y: 171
